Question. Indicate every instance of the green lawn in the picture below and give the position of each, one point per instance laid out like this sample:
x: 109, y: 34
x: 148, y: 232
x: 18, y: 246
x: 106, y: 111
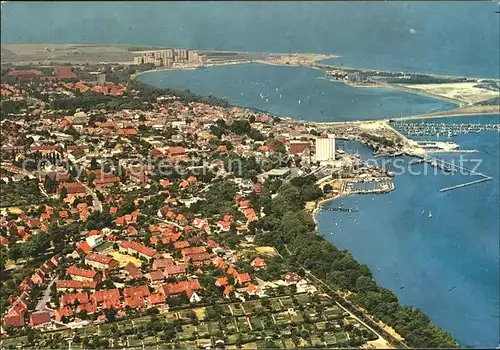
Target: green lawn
x: 237, y: 310
x: 104, y: 246
x: 303, y: 299
x: 243, y: 325
x: 287, y: 303
x: 297, y: 317
x: 203, y: 330
x: 230, y: 327
x: 256, y: 323
x: 332, y: 312
x: 275, y: 305
x: 282, y: 318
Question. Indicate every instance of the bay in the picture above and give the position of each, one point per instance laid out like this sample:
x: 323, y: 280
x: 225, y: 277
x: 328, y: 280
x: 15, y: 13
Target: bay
x: 298, y: 92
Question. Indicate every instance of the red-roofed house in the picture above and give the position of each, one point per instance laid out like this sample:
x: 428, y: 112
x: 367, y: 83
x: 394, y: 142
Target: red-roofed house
x: 221, y: 281
x: 157, y: 298
x: 175, y: 270
x: 176, y: 151
x: 83, y: 248
x: 73, y: 284
x: 186, y: 252
x: 65, y: 311
x: 133, y: 271
x: 40, y: 319
x: 138, y: 292
x: 14, y: 320
x: 87, y: 307
x: 134, y: 302
x: 160, y: 264
x: 227, y: 291
x: 100, y: 261
x: 70, y: 299
x: 258, y: 263
x: 181, y: 244
x: 82, y: 274
x: 179, y: 287
x: 132, y: 247
x: 156, y: 277
x: 200, y: 259
x: 127, y: 132
x: 64, y: 72
x: 243, y: 278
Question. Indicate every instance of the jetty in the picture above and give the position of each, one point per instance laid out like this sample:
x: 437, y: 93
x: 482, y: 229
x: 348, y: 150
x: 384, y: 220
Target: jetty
x: 488, y: 178
x: 451, y: 167
x: 347, y: 210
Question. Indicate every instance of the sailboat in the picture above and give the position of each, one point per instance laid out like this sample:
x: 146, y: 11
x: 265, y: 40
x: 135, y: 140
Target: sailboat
x: 430, y: 214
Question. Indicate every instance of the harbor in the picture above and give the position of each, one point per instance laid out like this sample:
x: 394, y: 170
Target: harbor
x: 441, y: 129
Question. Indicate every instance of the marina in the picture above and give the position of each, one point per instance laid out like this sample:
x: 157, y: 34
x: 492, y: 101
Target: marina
x: 441, y: 129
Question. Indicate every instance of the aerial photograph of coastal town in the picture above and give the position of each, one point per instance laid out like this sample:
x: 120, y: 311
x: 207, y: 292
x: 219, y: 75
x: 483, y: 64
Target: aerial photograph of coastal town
x: 250, y: 174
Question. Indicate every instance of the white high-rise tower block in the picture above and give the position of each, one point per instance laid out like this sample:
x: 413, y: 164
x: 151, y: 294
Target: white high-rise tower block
x: 325, y: 148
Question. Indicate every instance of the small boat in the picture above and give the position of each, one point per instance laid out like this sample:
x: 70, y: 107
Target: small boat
x: 423, y: 212
x: 299, y: 102
x: 430, y: 214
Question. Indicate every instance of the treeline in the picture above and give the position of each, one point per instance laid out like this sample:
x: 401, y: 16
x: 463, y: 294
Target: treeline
x: 426, y: 79
x: 239, y: 127
x: 151, y: 93
x: 12, y: 106
x: 20, y: 193
x: 289, y: 228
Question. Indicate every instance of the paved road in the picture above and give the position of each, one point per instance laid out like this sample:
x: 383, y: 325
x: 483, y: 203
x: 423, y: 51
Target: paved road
x: 95, y: 201
x: 46, y: 296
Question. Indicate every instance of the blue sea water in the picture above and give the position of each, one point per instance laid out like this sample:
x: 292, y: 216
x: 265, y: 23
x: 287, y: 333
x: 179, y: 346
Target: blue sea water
x: 295, y: 91
x: 448, y: 264
x: 448, y: 37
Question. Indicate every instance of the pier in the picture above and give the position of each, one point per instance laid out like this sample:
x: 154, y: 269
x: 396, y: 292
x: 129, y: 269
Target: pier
x: 488, y: 178
x: 347, y: 210
x: 454, y: 168
x: 451, y: 168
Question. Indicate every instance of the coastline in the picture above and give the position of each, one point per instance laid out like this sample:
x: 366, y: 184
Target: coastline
x: 463, y: 109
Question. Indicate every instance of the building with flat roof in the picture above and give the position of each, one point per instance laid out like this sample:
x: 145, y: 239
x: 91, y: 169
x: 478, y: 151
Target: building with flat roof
x: 279, y: 173
x: 325, y: 148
